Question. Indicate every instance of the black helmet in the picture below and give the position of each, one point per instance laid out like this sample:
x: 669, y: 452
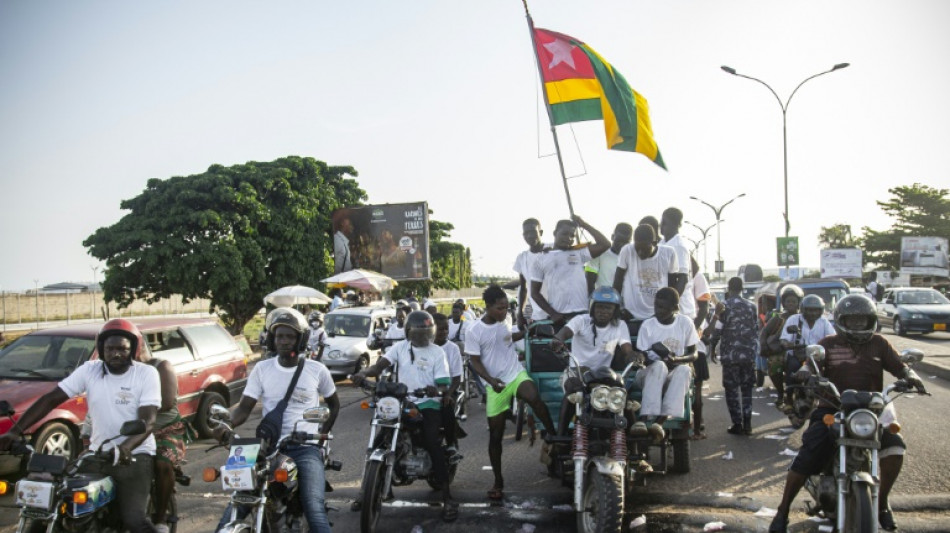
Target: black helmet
x: 420, y: 328
x: 293, y: 319
x: 856, y: 305
x: 812, y: 301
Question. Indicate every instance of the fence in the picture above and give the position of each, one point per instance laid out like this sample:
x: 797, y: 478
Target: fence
x: 21, y: 308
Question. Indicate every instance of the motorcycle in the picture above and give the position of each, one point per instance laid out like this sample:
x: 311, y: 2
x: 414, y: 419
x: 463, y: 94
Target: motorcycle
x: 798, y: 404
x: 598, y: 444
x: 56, y: 497
x: 847, y: 489
x: 395, y: 455
x: 264, y: 486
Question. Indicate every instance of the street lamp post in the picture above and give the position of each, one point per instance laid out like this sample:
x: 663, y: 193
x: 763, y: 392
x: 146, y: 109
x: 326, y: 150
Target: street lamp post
x: 705, y: 242
x: 784, y: 107
x: 718, y: 213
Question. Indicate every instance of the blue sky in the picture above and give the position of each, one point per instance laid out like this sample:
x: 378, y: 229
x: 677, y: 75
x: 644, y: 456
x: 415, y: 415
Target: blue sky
x: 439, y: 101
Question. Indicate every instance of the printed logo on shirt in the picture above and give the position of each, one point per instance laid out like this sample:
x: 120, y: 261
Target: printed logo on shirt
x: 302, y: 396
x: 673, y: 344
x: 124, y: 397
x: 573, y: 259
x: 649, y: 276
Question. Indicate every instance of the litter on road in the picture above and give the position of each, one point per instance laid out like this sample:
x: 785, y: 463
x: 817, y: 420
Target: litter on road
x: 728, y: 456
x: 714, y: 526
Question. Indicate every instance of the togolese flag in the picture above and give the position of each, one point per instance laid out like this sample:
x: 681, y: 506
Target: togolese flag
x: 580, y: 85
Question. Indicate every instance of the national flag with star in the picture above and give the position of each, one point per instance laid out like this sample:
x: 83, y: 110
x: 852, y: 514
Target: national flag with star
x: 580, y: 85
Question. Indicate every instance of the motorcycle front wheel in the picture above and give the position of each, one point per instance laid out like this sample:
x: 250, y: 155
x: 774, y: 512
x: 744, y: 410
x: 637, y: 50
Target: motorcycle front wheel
x: 859, y: 516
x: 601, y: 509
x: 373, y: 493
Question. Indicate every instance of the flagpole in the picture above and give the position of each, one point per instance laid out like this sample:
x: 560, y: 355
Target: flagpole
x: 547, y: 107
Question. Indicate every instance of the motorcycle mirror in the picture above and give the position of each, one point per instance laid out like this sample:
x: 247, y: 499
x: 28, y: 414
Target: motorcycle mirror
x: 132, y: 427
x: 816, y: 352
x: 6, y: 409
x: 220, y: 412
x: 317, y: 414
x: 793, y: 329
x: 908, y: 357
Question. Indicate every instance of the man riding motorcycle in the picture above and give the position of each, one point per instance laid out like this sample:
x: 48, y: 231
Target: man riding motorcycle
x: 287, y: 335
x: 318, y: 335
x: 118, y: 388
x: 856, y: 358
x: 421, y: 364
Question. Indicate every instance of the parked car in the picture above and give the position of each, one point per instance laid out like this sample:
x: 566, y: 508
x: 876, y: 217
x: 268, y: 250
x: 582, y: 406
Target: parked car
x: 913, y: 309
x: 830, y: 290
x: 211, y: 367
x: 348, y: 330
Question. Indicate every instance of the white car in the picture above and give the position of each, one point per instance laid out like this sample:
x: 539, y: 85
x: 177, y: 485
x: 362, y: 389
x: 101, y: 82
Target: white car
x: 348, y: 330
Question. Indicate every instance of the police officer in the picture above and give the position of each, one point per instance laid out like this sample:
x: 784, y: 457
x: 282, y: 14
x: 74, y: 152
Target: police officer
x: 737, y: 330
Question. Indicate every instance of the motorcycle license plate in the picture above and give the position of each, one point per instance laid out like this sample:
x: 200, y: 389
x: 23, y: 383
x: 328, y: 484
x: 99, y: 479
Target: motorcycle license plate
x: 940, y: 327
x: 238, y: 478
x: 37, y: 494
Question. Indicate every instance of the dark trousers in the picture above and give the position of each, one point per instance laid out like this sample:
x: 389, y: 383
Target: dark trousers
x: 431, y: 422
x: 133, y: 483
x: 738, y: 379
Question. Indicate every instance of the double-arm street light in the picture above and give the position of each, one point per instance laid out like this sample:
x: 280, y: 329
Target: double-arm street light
x: 705, y: 233
x: 784, y: 107
x: 718, y: 213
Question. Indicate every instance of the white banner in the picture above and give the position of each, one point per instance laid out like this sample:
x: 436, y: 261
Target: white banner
x: 924, y: 255
x: 841, y: 263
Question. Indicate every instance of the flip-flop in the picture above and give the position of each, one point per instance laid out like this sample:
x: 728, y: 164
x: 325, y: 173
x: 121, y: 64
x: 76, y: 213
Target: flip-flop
x: 450, y: 511
x: 496, y: 494
x: 698, y: 436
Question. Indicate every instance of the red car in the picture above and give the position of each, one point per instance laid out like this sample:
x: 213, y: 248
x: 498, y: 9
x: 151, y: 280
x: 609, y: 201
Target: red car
x: 211, y: 367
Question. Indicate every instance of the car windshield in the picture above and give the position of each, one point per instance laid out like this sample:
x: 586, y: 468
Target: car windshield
x: 45, y: 357
x: 347, y: 325
x: 921, y: 298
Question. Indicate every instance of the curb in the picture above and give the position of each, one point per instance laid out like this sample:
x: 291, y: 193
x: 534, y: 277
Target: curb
x: 931, y: 369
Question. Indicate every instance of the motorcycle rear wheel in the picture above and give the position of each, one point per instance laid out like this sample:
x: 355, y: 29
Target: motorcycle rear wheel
x: 859, y: 516
x: 373, y: 493
x: 601, y: 510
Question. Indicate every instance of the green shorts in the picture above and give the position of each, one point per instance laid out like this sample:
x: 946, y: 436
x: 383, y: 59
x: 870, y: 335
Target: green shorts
x: 499, y: 402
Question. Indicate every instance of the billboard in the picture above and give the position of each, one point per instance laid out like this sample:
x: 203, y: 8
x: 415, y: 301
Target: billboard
x: 787, y: 248
x: 841, y: 263
x: 924, y: 255
x: 392, y: 239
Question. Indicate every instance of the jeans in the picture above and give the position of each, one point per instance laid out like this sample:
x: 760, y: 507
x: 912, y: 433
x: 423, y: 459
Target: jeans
x: 311, y: 480
x: 132, y: 486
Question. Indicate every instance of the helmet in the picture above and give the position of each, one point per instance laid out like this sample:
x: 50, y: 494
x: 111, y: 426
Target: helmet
x: 414, y: 306
x: 285, y: 316
x: 605, y: 295
x: 791, y: 289
x: 120, y: 326
x: 856, y: 305
x: 402, y: 304
x: 420, y: 328
x: 812, y: 301
x: 315, y: 316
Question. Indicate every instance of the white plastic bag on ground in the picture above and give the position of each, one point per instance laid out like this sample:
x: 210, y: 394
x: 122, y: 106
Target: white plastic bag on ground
x: 714, y: 526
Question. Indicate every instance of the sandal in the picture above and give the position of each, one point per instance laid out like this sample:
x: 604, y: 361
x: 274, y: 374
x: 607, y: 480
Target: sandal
x: 450, y: 511
x: 699, y: 435
x: 496, y: 494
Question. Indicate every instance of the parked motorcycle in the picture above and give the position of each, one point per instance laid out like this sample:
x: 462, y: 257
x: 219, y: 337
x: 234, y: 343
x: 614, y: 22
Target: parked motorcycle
x: 395, y: 455
x: 847, y: 489
x: 264, y: 497
x: 55, y: 497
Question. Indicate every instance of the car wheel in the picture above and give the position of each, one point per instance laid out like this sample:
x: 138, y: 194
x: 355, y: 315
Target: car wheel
x: 56, y: 439
x: 208, y: 399
x: 899, y: 327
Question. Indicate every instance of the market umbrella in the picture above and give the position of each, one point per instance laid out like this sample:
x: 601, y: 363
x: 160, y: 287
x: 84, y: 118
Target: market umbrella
x: 365, y: 280
x: 296, y: 295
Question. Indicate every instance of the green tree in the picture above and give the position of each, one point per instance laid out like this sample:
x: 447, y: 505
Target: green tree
x: 450, y: 263
x: 837, y: 236
x: 231, y: 234
x: 918, y: 211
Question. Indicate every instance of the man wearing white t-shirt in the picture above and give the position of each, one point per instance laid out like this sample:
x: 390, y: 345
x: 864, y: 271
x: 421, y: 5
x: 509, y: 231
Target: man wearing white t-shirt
x: 600, y: 270
x: 561, y: 270
x: 453, y: 358
x: 531, y: 232
x: 490, y: 343
x: 670, y: 222
x: 643, y: 268
x: 118, y: 389
x: 268, y: 383
x: 669, y: 341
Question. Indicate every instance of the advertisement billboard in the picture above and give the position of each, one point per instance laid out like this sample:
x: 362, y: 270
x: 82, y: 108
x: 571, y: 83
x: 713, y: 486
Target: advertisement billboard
x: 787, y: 248
x: 924, y: 255
x: 392, y: 239
x: 841, y: 263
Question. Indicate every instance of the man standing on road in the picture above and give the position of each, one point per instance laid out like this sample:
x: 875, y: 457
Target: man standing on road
x: 600, y: 270
x: 737, y: 329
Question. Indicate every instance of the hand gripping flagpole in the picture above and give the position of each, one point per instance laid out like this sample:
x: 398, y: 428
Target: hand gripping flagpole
x: 547, y: 106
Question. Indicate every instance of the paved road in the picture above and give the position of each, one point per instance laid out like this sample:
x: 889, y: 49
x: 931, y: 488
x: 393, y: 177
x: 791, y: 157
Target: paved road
x: 730, y: 491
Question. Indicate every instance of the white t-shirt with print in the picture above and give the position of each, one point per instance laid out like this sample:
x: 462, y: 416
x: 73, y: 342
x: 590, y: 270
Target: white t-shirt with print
x: 605, y: 266
x: 453, y: 357
x: 676, y: 336
x: 419, y: 367
x: 268, y: 384
x: 687, y: 305
x: 493, y: 343
x: 644, y: 277
x: 562, y: 271
x: 809, y: 334
x: 115, y: 399
x: 524, y: 263
x: 457, y: 331
x: 596, y: 352
x: 395, y: 332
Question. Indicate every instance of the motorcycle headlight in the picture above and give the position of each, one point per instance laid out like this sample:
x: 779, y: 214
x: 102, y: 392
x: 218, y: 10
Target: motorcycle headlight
x: 334, y: 354
x: 862, y: 424
x: 599, y: 397
x: 616, y: 399
x: 387, y: 408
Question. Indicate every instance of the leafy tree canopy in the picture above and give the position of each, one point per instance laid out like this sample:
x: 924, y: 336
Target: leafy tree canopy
x: 837, y: 236
x: 918, y: 211
x: 231, y: 234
